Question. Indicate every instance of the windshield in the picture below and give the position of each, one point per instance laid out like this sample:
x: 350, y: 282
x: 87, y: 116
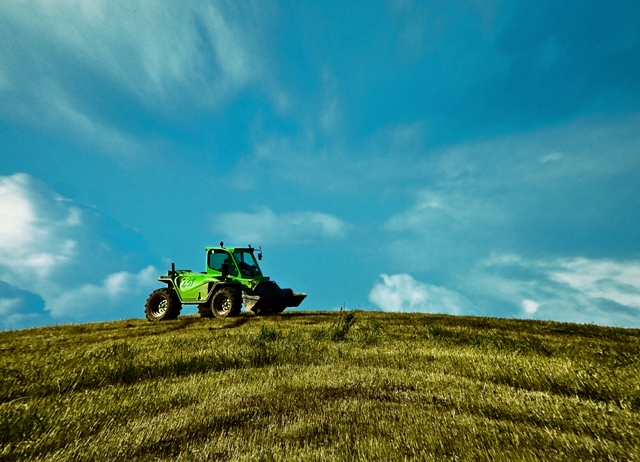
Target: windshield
x: 247, y: 263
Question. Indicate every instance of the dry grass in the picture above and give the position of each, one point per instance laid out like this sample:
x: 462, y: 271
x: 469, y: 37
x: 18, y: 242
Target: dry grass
x: 321, y: 386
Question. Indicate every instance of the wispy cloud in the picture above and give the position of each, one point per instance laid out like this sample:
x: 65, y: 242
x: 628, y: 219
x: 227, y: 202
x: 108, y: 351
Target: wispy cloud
x: 603, y: 291
x: 170, y: 58
x: 547, y: 188
x: 320, y: 158
x: 618, y: 281
x: 330, y: 117
x: 265, y: 226
x: 153, y: 50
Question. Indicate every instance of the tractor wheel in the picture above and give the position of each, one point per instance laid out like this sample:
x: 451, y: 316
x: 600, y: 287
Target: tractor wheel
x: 162, y: 305
x: 226, y: 303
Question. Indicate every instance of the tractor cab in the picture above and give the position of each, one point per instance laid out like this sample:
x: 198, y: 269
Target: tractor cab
x: 237, y: 263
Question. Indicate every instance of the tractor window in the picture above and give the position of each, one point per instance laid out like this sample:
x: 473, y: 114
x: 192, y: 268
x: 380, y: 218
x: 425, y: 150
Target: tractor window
x: 247, y: 263
x: 218, y: 257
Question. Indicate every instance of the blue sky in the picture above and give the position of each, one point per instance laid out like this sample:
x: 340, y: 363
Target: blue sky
x: 465, y: 157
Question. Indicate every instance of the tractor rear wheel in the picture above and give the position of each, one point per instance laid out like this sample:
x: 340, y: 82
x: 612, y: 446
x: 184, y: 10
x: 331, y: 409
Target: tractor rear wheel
x: 226, y: 303
x: 162, y: 305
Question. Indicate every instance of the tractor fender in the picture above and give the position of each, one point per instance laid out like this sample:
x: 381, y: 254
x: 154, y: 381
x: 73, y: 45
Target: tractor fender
x: 167, y: 281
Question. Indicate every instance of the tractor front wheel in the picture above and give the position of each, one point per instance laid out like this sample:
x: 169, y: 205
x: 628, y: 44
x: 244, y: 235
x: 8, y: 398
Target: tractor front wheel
x: 162, y: 305
x: 226, y: 303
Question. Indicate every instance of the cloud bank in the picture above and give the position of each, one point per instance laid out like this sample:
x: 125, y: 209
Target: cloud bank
x: 580, y: 290
x: 61, y: 261
x: 401, y: 292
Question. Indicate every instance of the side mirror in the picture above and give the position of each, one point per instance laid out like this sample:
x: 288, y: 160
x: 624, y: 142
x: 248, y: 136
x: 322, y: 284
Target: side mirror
x: 225, y: 270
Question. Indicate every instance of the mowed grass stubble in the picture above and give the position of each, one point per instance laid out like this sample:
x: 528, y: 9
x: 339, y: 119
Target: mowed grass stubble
x: 321, y: 386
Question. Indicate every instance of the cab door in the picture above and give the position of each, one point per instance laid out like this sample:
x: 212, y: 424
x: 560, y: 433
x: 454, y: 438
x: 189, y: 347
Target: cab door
x: 218, y: 257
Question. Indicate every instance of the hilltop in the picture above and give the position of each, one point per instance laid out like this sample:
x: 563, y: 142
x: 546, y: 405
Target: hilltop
x: 321, y: 386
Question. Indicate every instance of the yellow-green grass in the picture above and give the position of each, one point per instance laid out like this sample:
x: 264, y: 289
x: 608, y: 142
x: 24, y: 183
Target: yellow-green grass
x: 321, y: 386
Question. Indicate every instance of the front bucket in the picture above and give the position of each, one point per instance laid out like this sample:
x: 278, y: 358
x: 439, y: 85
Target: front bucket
x: 267, y: 297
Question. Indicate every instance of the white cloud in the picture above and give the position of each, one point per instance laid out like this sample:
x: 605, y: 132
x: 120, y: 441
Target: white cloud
x: 29, y: 243
x: 530, y: 306
x: 107, y: 298
x: 553, y: 157
x: 618, y: 281
x: 401, y: 292
x: 16, y: 211
x: 265, y: 226
x: 603, y: 291
x: 432, y: 208
x: 54, y: 250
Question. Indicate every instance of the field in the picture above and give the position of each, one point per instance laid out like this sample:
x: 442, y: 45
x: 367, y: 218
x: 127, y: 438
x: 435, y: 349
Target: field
x: 348, y: 385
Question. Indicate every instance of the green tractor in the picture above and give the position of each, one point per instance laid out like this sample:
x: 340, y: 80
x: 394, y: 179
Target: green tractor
x: 232, y: 278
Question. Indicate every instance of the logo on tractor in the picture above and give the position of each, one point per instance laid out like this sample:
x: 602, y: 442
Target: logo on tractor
x: 187, y: 282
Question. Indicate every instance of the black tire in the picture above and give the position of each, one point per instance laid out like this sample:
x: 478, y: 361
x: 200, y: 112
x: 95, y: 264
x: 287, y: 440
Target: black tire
x: 226, y: 303
x: 162, y: 305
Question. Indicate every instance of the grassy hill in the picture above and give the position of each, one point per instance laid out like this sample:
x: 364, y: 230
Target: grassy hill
x: 321, y: 386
